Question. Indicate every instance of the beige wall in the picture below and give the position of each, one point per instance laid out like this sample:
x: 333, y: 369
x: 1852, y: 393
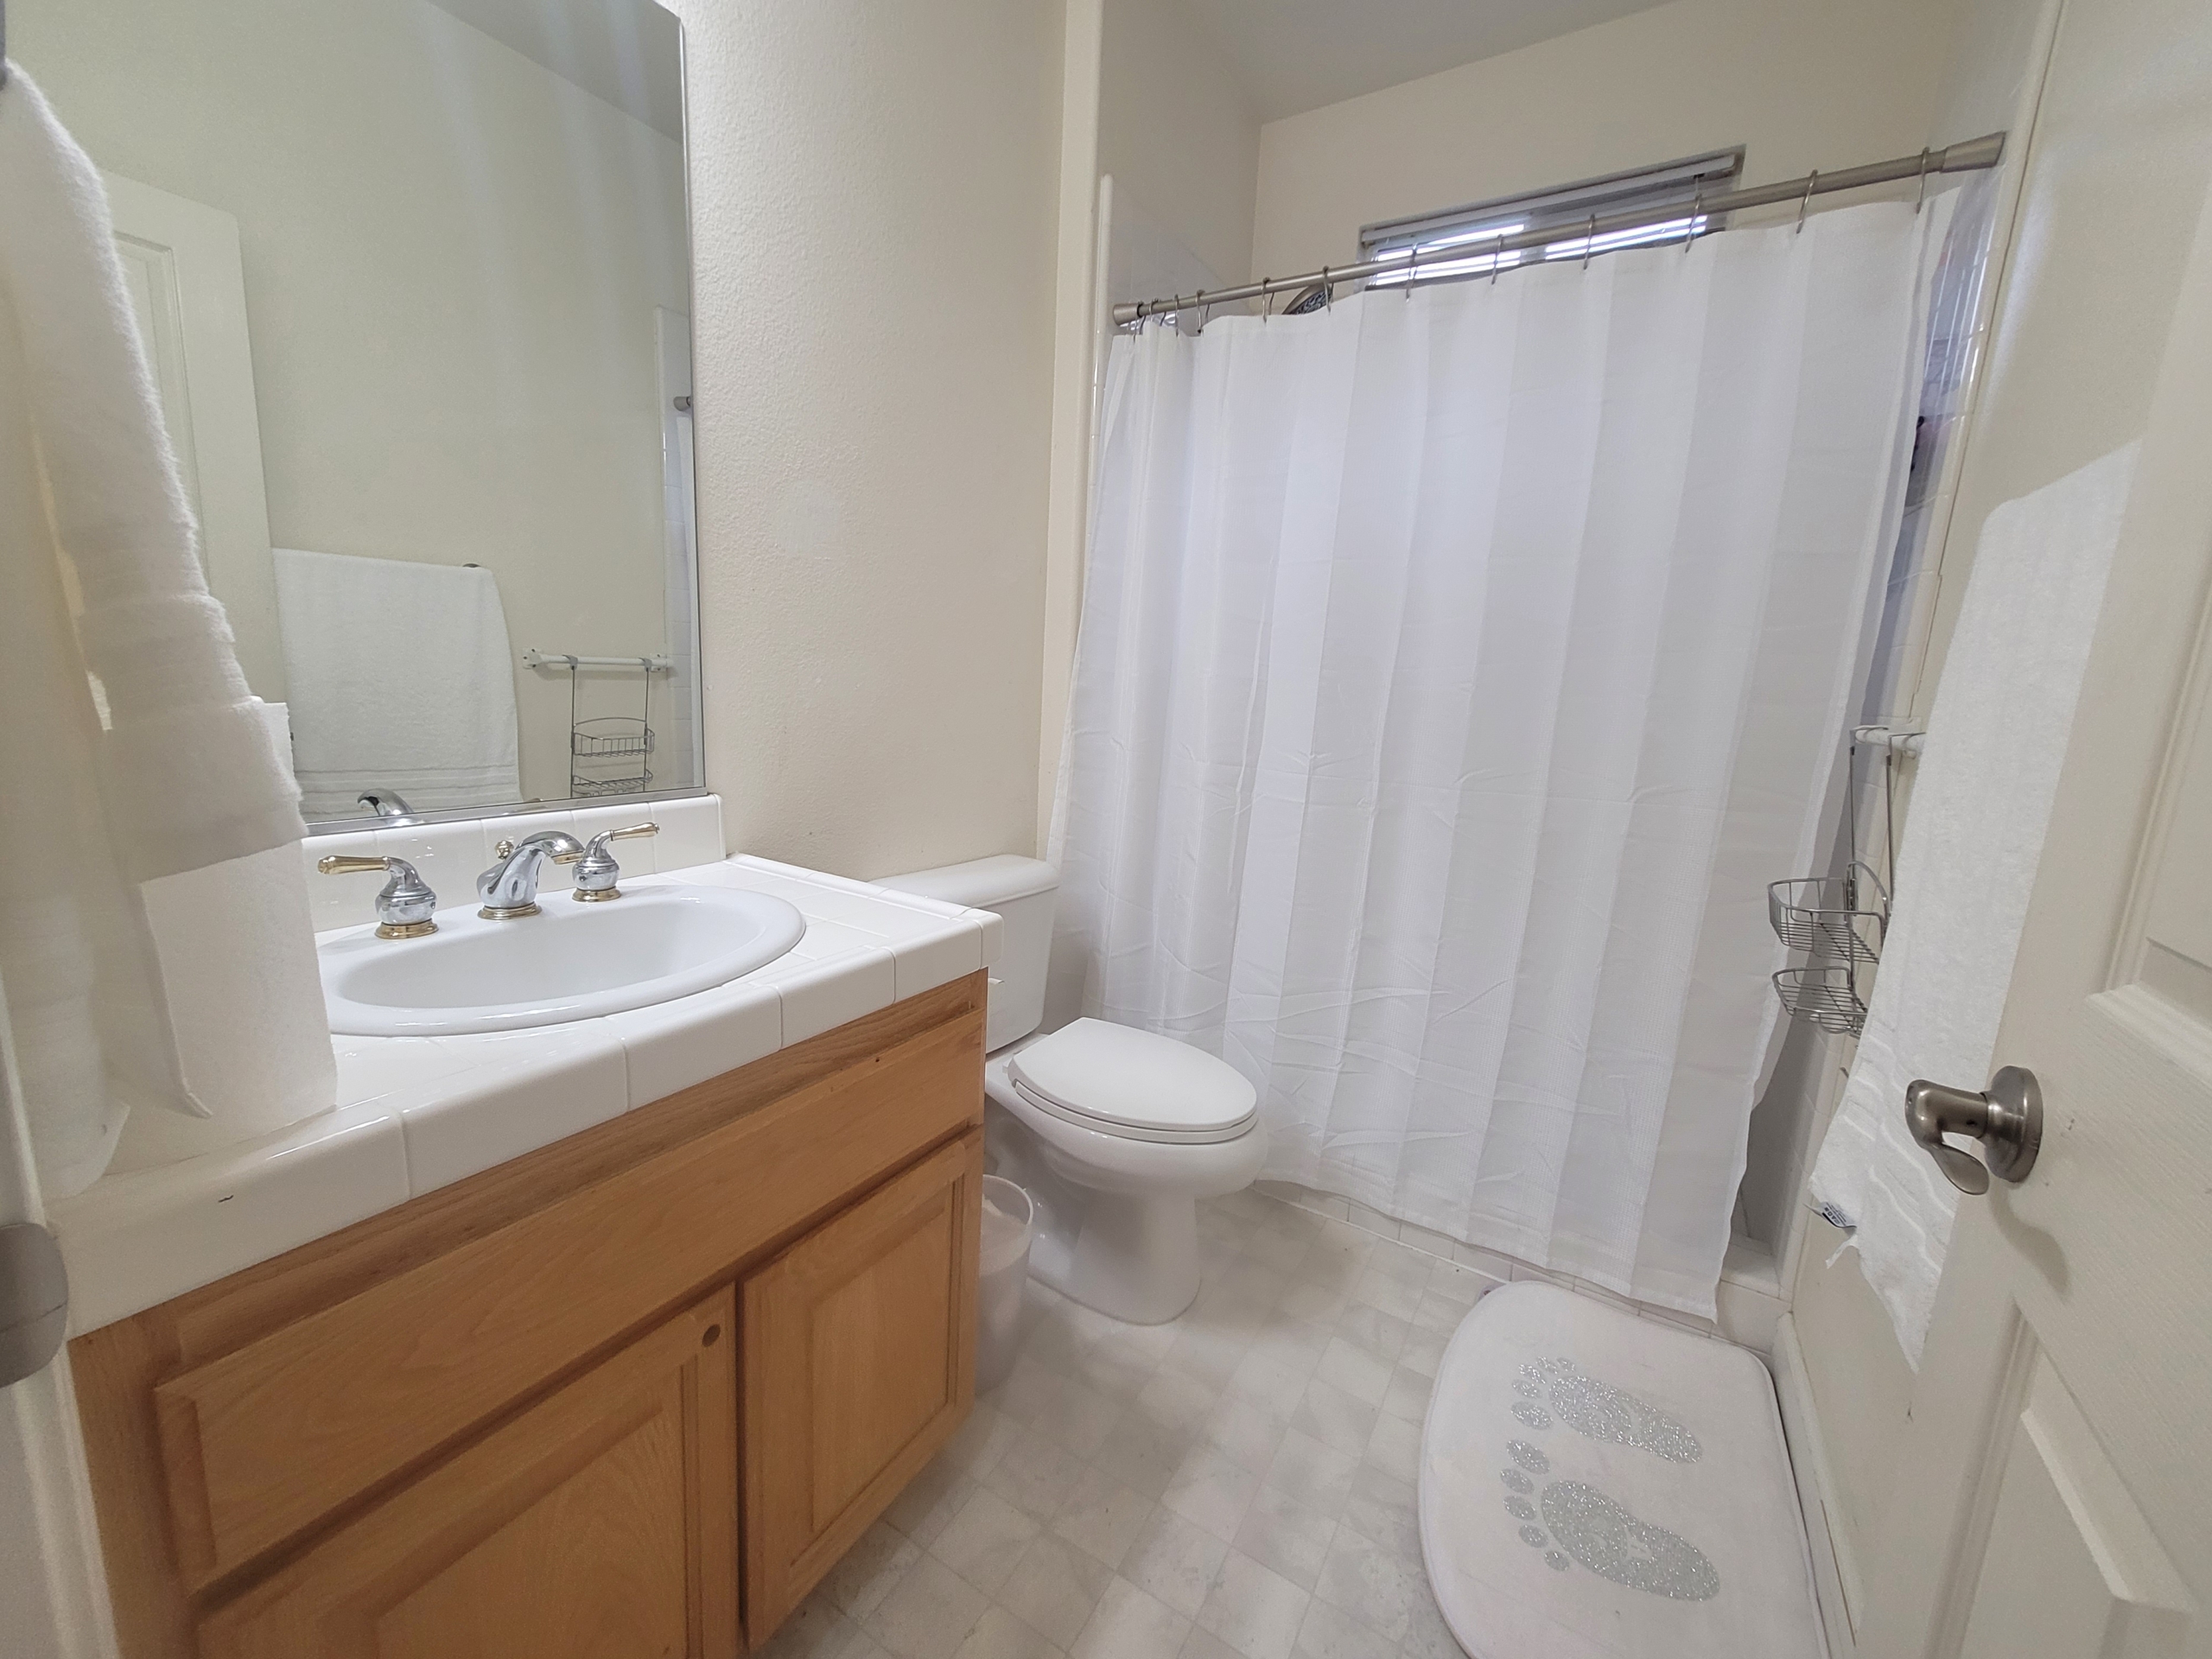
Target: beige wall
x: 1802, y: 83
x: 874, y: 189
x: 452, y: 334
x: 1177, y: 132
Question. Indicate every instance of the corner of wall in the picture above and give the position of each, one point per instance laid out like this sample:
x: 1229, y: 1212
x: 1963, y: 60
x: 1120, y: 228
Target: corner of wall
x: 1075, y: 329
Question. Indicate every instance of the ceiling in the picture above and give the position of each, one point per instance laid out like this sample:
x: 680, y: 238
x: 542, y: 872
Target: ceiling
x: 629, y: 53
x: 1293, y: 56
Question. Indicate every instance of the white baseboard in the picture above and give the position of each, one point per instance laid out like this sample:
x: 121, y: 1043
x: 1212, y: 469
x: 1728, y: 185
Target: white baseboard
x: 1828, y: 1532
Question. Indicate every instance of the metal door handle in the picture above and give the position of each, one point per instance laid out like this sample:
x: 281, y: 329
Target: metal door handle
x: 2007, y: 1121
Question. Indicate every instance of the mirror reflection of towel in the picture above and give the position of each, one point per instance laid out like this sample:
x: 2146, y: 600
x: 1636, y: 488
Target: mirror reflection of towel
x: 400, y: 678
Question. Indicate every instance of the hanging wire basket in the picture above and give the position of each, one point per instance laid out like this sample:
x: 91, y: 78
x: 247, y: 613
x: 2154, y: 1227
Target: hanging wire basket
x: 636, y: 784
x: 1843, y: 918
x: 1827, y: 996
x: 610, y: 737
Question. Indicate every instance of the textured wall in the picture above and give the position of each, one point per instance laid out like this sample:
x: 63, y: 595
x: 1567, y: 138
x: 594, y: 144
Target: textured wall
x: 874, y: 185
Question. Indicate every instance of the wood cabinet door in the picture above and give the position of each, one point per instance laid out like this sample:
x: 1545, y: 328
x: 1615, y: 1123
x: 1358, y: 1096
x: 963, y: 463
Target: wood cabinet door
x: 601, y: 1523
x: 859, y: 1359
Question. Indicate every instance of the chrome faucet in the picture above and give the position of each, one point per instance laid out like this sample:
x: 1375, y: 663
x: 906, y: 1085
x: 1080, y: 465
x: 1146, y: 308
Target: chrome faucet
x: 388, y: 804
x: 404, y: 906
x: 509, y: 888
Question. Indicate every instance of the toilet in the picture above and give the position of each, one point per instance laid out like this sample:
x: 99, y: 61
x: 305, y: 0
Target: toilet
x: 1116, y: 1133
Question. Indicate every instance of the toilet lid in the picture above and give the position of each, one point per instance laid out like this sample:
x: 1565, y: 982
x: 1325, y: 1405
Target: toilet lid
x: 1119, y: 1080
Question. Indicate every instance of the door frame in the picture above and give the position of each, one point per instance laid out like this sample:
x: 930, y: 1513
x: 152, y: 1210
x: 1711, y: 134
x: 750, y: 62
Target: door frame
x: 51, y: 1578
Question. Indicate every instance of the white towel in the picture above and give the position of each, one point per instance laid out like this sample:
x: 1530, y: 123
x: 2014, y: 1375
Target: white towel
x: 1981, y: 802
x: 237, y: 966
x: 172, y: 768
x: 400, y: 678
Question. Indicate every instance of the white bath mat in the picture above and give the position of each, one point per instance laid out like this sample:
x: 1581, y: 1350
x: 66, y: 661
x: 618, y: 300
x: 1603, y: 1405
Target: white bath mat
x: 1598, y: 1486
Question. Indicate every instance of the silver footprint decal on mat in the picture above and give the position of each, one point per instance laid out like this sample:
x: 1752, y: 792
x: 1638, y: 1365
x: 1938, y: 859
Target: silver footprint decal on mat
x: 1585, y: 1524
x: 1599, y: 1410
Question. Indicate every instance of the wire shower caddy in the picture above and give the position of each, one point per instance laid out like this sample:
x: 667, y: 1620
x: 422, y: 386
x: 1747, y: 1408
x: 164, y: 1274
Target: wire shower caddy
x: 1839, y: 922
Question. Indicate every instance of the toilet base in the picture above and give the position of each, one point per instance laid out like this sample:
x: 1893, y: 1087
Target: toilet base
x: 1132, y: 1259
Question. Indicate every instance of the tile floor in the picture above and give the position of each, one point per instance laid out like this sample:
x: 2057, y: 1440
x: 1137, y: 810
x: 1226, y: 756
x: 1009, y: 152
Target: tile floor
x: 1239, y: 1482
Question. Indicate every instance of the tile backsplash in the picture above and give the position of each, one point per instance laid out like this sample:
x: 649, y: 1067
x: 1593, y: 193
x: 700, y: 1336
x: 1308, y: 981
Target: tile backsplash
x: 450, y: 856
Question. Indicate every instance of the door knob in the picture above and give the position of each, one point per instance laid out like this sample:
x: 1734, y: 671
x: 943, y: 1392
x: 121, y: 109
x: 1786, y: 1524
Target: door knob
x: 2007, y: 1121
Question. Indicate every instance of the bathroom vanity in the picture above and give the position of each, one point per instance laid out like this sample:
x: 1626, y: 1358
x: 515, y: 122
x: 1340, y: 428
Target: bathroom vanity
x: 633, y: 1392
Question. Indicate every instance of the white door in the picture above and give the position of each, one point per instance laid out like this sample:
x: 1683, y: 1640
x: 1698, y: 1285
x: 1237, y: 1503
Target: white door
x: 2054, y: 1500
x: 182, y: 262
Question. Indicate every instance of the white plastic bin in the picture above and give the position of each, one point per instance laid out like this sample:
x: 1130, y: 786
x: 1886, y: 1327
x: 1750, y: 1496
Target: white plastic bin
x: 1010, y: 1222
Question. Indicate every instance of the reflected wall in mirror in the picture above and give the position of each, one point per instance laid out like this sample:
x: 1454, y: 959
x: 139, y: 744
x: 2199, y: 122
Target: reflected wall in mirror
x: 414, y: 277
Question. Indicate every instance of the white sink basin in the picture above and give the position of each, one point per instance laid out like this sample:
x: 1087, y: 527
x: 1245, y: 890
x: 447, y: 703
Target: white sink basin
x: 571, y: 962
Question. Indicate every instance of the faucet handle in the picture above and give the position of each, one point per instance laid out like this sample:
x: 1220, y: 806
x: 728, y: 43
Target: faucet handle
x: 405, y: 905
x: 598, y: 873
x: 340, y: 864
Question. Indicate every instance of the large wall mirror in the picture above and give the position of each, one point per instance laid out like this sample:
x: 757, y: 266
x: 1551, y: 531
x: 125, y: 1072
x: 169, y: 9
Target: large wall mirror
x: 415, y: 278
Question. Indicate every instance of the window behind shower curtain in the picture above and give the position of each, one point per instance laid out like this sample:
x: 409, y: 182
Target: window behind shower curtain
x: 1449, y: 243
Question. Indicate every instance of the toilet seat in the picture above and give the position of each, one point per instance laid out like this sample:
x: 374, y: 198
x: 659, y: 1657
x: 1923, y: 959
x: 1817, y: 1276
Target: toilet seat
x: 1134, y: 1085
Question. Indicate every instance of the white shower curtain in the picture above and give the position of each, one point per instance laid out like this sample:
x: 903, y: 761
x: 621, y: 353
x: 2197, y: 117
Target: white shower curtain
x: 1455, y: 671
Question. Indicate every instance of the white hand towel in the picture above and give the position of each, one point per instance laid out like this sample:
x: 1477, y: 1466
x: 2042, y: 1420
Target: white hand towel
x: 1981, y: 804
x: 419, y: 698
x: 173, y: 769
x: 236, y: 964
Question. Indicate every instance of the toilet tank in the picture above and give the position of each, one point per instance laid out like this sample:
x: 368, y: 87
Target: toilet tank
x: 1020, y: 892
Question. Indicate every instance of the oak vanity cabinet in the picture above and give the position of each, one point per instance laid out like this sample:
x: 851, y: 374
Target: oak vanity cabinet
x: 632, y: 1393
x: 854, y: 1372
x: 597, y: 1523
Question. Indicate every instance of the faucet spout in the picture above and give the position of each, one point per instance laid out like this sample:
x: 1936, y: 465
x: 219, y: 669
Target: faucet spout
x: 388, y: 804
x: 509, y: 888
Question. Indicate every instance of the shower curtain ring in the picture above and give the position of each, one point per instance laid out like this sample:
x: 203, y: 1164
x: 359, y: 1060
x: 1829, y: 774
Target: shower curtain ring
x: 1805, y: 200
x: 1267, y: 300
x: 1697, y: 213
x: 1497, y: 259
x: 1328, y: 293
x: 1413, y: 266
x: 1589, y: 241
x: 1921, y: 200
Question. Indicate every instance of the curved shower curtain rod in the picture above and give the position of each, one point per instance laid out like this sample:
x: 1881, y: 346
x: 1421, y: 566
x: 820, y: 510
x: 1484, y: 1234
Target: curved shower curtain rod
x: 1968, y: 157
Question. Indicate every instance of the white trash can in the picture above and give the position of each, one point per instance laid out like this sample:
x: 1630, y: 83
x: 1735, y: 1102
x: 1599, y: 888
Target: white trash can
x: 1010, y: 1222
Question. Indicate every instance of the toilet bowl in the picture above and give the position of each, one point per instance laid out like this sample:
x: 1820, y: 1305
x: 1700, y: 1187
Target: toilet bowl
x: 1130, y: 1161
x: 1116, y: 1133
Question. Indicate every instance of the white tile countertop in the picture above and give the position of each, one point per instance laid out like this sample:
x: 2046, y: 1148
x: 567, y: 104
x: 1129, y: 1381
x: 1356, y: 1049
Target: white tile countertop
x: 416, y: 1113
